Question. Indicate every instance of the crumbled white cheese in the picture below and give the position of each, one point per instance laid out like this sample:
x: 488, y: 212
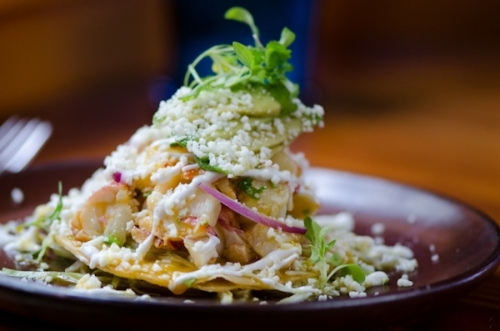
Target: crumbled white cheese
x: 17, y: 195
x: 88, y: 282
x: 213, y: 112
x: 220, y: 135
x: 354, y: 294
x: 378, y: 229
x: 376, y: 278
x: 144, y: 297
x: 404, y: 281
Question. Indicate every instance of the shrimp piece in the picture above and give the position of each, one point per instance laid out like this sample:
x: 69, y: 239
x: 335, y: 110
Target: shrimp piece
x: 171, y: 183
x: 226, y: 186
x: 142, y: 231
x: 304, y: 204
x: 106, y: 212
x: 265, y: 240
x: 285, y: 162
x: 236, y: 248
x: 201, y: 240
x: 202, y: 250
x: 273, y: 201
x: 195, y: 222
x: 204, y: 206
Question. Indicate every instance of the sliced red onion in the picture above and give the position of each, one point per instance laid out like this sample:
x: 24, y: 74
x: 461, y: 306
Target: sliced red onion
x: 117, y: 176
x: 249, y: 213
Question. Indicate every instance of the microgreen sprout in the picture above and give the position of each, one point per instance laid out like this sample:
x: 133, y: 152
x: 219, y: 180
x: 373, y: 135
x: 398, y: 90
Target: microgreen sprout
x: 242, y: 15
x: 57, y: 211
x: 237, y: 65
x: 319, y: 247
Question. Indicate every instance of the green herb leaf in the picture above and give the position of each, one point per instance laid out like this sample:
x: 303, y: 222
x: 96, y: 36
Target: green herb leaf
x: 246, y: 186
x: 204, y: 163
x: 319, y: 248
x: 316, y: 234
x: 240, y: 65
x: 57, y: 211
x: 354, y: 270
x: 110, y: 239
x: 276, y: 56
x: 182, y: 143
x: 240, y: 14
x: 287, y: 37
x: 189, y: 282
x: 244, y: 54
x: 335, y: 260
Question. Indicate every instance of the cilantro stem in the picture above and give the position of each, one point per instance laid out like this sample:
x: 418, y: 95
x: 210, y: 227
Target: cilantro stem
x: 209, y: 52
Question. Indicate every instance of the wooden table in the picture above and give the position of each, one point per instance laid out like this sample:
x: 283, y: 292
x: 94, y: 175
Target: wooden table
x: 435, y: 126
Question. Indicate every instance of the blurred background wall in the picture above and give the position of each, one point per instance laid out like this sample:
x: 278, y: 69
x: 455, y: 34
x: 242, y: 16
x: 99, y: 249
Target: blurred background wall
x: 389, y: 48
x: 51, y: 49
x: 54, y: 48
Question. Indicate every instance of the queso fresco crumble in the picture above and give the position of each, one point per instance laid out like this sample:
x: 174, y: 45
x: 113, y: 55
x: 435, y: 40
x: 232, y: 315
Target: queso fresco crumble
x: 209, y: 198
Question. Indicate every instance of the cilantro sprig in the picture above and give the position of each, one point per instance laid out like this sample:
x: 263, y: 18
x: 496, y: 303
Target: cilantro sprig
x: 181, y: 142
x: 204, y: 163
x: 56, y: 214
x: 43, y: 224
x: 237, y: 65
x: 319, y: 247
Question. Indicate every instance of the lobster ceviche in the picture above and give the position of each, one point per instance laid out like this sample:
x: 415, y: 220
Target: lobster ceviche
x: 208, y: 199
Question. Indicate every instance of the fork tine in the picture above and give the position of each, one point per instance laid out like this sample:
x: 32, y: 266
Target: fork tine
x: 9, y: 130
x: 31, y: 146
x: 17, y: 136
x: 22, y: 142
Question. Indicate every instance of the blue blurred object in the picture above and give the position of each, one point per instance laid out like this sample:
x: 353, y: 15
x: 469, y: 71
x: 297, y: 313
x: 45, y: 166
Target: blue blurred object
x: 201, y: 24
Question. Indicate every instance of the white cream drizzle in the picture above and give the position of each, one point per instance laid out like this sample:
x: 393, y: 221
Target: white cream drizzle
x: 176, y: 199
x: 270, y: 263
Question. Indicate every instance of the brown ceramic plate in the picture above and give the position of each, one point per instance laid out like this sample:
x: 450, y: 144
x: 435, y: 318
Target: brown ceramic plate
x: 466, y: 241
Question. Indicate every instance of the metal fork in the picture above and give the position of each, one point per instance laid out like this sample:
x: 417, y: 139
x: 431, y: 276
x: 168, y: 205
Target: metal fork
x: 20, y: 141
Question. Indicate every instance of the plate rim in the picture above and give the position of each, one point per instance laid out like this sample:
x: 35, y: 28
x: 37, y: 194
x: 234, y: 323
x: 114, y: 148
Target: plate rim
x: 466, y: 279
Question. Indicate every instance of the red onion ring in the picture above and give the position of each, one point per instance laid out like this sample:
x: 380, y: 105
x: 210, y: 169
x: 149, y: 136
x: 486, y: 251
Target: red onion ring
x: 249, y: 213
x: 117, y: 176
